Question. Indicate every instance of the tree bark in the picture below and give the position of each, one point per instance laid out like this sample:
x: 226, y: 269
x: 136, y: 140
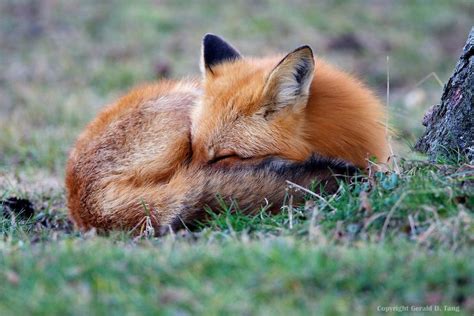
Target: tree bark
x: 450, y: 125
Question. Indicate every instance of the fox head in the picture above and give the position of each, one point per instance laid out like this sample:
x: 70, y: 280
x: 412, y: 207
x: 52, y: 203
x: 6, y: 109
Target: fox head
x: 250, y: 108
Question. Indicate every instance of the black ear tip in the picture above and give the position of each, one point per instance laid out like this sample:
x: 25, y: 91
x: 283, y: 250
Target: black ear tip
x: 304, y: 47
x: 209, y: 37
x: 216, y: 50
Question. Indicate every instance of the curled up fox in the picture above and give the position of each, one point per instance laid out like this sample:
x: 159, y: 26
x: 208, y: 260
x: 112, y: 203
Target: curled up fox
x: 165, y: 150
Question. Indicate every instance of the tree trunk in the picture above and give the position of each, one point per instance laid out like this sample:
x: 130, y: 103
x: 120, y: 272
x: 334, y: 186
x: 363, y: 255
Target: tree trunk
x: 450, y: 125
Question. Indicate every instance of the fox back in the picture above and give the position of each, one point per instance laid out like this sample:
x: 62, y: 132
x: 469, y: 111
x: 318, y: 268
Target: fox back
x: 130, y: 147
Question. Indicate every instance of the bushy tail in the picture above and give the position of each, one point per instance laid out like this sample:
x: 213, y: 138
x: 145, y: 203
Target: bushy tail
x: 182, y: 200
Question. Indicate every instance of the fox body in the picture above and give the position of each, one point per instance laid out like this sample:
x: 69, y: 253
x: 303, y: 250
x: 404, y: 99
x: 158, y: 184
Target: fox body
x: 135, y: 161
x: 164, y: 151
x: 284, y: 106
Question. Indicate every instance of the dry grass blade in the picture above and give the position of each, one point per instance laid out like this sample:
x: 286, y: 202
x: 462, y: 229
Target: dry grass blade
x: 365, y: 204
x: 299, y: 187
x: 389, y: 215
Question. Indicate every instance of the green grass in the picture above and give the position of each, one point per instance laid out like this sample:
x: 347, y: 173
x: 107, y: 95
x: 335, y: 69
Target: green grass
x: 390, y: 239
x: 278, y: 275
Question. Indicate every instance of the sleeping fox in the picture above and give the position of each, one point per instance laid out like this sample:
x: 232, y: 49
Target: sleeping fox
x: 165, y: 150
x: 134, y: 161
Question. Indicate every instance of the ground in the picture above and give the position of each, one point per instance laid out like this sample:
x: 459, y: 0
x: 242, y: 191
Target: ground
x: 385, y: 241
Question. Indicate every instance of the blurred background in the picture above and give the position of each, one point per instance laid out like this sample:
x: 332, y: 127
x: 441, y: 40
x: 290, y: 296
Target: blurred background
x: 62, y: 61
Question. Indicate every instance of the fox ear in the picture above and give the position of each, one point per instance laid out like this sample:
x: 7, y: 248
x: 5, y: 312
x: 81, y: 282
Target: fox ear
x: 216, y: 50
x: 289, y: 82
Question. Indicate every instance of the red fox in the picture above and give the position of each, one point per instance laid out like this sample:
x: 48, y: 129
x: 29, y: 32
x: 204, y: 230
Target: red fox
x: 286, y: 107
x: 134, y: 161
x: 165, y: 150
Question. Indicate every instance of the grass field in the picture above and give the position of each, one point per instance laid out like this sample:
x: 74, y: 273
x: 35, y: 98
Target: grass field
x: 394, y: 240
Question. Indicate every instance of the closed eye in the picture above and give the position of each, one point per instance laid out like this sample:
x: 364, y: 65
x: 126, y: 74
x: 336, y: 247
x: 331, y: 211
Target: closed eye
x: 223, y: 157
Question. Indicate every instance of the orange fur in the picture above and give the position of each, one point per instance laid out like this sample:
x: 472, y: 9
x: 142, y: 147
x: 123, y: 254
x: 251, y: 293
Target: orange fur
x: 134, y: 161
x: 238, y: 120
x: 164, y: 151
